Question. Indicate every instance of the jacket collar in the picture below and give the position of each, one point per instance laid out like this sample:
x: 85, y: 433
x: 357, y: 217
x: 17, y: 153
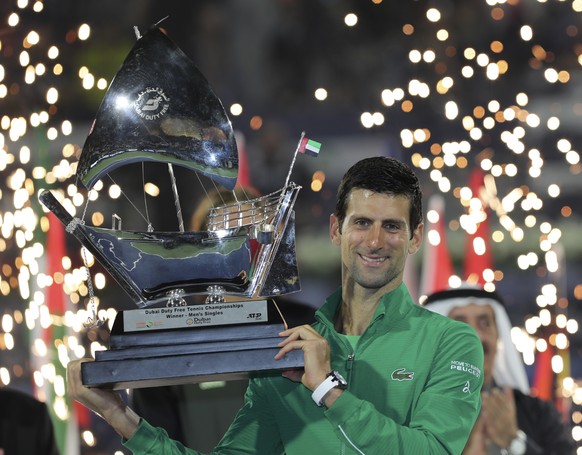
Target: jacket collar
x: 393, y: 306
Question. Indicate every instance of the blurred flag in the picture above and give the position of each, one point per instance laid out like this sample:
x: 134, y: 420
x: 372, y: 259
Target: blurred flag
x: 543, y: 380
x: 244, y: 173
x: 55, y: 336
x: 478, y: 255
x: 411, y: 276
x: 437, y: 266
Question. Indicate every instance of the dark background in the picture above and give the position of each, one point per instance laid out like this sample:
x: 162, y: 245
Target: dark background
x: 270, y: 56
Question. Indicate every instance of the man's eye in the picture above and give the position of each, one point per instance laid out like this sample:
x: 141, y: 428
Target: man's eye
x: 362, y: 223
x: 485, y: 323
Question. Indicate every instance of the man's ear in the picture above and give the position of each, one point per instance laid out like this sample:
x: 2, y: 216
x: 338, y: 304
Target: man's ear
x: 416, y: 240
x: 334, y: 230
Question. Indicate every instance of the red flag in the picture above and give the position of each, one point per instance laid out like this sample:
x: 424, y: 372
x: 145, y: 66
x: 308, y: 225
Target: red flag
x: 55, y: 251
x: 543, y: 380
x: 437, y: 266
x: 244, y: 173
x: 478, y: 255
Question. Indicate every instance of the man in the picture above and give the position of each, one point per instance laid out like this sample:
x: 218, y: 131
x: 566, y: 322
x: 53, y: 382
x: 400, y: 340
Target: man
x: 412, y: 378
x: 511, y: 422
x: 25, y: 425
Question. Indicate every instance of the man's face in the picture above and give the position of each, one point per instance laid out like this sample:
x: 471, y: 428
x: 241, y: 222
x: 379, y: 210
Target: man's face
x: 375, y: 239
x: 482, y: 319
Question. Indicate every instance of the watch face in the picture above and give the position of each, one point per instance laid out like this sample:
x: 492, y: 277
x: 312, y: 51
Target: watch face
x: 518, y: 445
x: 342, y: 383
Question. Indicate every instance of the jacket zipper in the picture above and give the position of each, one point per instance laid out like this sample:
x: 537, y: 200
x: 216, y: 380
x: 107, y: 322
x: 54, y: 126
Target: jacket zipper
x: 349, y: 365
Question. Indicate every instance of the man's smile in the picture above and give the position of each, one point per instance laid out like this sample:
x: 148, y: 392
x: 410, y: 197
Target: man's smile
x: 373, y: 259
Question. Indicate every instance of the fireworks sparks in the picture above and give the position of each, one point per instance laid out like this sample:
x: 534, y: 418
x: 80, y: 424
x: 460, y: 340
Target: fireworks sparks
x: 498, y: 99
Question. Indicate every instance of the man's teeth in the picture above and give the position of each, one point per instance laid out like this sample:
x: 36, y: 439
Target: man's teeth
x: 374, y: 259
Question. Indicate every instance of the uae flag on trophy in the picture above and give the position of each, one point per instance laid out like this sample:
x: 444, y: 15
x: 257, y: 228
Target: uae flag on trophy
x: 309, y: 147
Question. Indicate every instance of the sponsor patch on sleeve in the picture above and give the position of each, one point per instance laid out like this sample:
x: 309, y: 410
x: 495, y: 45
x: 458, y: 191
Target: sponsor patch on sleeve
x: 466, y: 367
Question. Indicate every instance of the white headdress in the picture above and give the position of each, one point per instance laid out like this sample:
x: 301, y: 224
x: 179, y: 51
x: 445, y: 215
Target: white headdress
x: 508, y: 367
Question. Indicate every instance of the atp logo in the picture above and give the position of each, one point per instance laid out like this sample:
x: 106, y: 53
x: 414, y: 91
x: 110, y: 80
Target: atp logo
x: 402, y: 375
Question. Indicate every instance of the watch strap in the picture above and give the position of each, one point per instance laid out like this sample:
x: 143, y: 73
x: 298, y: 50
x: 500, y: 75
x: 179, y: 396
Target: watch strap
x: 323, y: 389
x: 518, y: 445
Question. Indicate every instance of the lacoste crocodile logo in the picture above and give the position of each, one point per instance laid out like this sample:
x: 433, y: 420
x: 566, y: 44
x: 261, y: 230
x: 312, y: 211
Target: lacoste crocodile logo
x: 402, y: 375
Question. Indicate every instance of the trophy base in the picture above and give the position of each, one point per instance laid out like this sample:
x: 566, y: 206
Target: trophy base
x: 163, y: 351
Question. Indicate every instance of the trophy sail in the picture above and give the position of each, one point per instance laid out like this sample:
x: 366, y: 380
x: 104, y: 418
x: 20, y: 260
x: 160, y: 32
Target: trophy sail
x: 160, y: 108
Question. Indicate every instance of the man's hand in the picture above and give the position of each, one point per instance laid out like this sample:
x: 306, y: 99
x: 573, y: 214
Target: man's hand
x: 107, y: 403
x: 500, y: 416
x: 477, y: 443
x: 315, y: 352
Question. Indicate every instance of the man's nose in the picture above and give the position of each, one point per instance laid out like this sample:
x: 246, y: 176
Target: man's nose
x: 374, y: 238
x: 481, y: 334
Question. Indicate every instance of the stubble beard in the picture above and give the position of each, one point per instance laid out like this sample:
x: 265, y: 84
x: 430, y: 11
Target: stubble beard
x: 373, y: 281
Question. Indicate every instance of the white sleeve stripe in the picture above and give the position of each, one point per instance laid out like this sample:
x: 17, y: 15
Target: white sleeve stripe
x: 349, y: 440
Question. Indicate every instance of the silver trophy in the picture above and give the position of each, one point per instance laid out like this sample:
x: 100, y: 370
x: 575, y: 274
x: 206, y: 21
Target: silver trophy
x: 160, y: 108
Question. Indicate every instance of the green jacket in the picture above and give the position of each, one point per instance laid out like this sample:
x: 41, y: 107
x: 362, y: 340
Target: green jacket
x: 414, y: 381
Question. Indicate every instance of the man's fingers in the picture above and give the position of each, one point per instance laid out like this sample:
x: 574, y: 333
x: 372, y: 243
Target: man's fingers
x: 289, y: 346
x: 315, y: 353
x: 302, y: 331
x: 74, y: 375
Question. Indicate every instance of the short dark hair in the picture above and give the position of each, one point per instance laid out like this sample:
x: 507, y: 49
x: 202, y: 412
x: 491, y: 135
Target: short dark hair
x: 386, y: 175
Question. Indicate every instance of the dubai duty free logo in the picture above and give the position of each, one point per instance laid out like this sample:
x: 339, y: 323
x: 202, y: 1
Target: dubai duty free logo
x: 152, y: 103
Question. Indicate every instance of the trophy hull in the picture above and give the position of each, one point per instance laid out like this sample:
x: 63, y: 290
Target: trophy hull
x: 150, y: 265
x: 157, y: 262
x: 150, y: 348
